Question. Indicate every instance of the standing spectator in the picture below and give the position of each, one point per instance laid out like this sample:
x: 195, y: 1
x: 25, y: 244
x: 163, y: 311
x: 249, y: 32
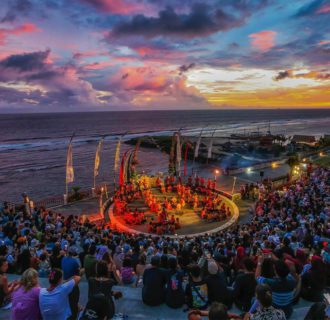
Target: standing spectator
x: 25, y: 299
x: 154, y: 280
x: 54, y: 301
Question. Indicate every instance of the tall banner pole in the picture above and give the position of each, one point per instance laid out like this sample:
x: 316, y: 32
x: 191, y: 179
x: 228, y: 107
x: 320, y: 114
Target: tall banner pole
x: 185, y: 160
x: 97, y: 161
x: 234, y: 183
x: 69, y: 176
x: 117, y: 159
x: 197, y: 149
x: 209, y: 151
x: 178, y: 154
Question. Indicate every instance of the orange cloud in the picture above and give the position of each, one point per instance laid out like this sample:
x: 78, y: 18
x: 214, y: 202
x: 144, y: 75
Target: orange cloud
x: 25, y: 28
x: 263, y: 40
x: 301, y: 97
x: 307, y: 75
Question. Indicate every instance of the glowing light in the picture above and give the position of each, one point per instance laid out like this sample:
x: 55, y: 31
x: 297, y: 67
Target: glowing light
x: 274, y: 165
x: 321, y: 154
x: 216, y: 171
x: 248, y: 170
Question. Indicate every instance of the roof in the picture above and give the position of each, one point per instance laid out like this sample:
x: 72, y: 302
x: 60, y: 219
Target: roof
x: 303, y: 139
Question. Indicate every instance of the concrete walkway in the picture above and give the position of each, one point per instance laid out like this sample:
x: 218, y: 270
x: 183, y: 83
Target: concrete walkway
x: 131, y: 305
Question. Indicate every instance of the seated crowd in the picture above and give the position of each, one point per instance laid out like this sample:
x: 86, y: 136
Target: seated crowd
x: 262, y: 267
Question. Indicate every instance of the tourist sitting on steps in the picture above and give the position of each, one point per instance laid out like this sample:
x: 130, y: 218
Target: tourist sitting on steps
x: 154, y: 280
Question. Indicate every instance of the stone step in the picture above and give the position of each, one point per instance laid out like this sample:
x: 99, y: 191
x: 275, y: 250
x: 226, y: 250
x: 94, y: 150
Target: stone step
x: 131, y: 304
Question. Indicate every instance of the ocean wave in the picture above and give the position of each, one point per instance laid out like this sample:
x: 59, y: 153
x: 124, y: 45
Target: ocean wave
x: 39, y: 168
x: 45, y: 144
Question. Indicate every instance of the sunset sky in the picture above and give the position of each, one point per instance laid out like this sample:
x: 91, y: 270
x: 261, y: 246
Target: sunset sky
x: 68, y: 55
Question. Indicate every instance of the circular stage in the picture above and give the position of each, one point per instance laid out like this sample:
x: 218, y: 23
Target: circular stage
x: 191, y: 223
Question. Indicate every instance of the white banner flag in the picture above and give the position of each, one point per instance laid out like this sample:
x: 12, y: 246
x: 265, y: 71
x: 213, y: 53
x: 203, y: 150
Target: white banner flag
x: 117, y: 156
x: 198, y: 144
x: 69, y: 164
x: 97, y: 158
x: 209, y: 151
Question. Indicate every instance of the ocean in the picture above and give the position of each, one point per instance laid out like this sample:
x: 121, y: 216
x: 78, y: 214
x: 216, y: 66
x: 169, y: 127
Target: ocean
x: 33, y: 146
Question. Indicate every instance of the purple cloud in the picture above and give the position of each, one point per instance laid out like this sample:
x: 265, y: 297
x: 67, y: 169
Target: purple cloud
x: 198, y: 22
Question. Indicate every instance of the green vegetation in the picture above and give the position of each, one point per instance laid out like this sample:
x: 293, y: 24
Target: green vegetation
x: 323, y: 161
x: 75, y: 195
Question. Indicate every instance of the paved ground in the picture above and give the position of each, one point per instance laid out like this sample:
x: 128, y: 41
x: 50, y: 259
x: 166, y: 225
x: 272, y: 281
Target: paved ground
x: 87, y: 207
x: 226, y: 183
x: 132, y: 305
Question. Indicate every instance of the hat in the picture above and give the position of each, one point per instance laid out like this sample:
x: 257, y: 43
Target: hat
x: 126, y: 248
x: 212, y: 267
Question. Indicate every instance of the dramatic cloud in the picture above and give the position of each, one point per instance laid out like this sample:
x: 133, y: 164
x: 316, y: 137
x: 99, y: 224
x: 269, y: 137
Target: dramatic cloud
x: 116, y: 6
x: 307, y: 75
x: 16, y: 8
x: 32, y: 72
x: 282, y: 75
x: 263, y: 40
x: 198, y: 22
x: 184, y: 68
x: 149, y: 85
x: 26, y: 61
x: 25, y: 28
x: 163, y: 53
x: 311, y: 8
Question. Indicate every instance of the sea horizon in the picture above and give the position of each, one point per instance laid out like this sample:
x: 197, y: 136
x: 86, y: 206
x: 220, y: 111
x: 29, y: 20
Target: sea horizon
x: 33, y: 146
x: 147, y: 109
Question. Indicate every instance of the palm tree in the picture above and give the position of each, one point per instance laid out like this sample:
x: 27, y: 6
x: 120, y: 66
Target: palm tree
x: 292, y: 161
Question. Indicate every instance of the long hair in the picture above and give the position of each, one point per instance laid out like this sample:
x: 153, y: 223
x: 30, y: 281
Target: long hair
x: 29, y: 279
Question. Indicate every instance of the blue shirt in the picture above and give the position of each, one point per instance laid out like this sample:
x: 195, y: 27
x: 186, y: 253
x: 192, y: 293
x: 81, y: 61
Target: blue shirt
x: 54, y: 305
x: 70, y: 267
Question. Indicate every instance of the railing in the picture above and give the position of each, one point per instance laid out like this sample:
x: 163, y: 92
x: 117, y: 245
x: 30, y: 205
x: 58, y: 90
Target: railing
x: 50, y: 202
x: 58, y: 200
